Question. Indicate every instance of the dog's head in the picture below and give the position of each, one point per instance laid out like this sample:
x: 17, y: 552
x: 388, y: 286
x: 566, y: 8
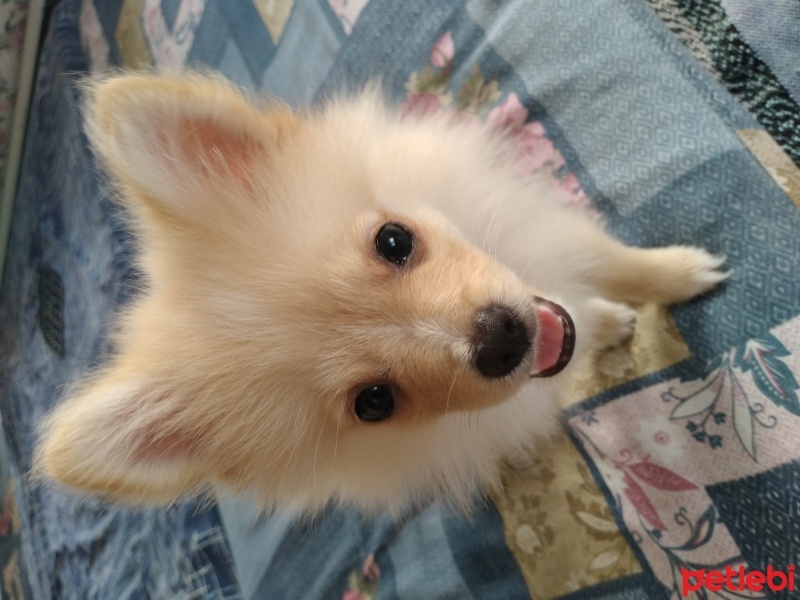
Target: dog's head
x: 312, y: 323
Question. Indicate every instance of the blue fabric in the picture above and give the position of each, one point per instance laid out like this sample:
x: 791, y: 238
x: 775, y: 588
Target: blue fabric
x: 635, y: 120
x: 65, y: 227
x: 310, y: 34
x: 733, y: 206
x: 389, y: 40
x: 652, y: 139
x: 12, y: 542
x: 773, y: 495
x: 430, y: 554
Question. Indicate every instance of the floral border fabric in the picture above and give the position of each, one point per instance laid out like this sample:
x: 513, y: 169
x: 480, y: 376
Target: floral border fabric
x: 739, y: 418
x: 13, y: 583
x: 13, y: 17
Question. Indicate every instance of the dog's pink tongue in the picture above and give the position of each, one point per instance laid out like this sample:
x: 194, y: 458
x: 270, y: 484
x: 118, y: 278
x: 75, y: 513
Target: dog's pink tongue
x: 550, y: 339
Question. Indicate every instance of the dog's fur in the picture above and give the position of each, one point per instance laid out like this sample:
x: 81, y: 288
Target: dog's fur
x: 267, y: 308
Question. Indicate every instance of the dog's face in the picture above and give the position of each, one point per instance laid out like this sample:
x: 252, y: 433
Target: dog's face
x: 309, y: 314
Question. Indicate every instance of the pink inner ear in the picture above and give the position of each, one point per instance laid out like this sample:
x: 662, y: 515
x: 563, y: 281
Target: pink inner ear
x: 164, y: 438
x: 212, y: 150
x: 155, y: 446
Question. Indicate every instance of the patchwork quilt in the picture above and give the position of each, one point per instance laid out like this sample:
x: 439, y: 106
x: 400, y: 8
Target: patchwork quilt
x: 677, y: 472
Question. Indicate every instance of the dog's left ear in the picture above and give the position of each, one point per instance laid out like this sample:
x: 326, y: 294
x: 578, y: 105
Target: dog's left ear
x: 177, y: 141
x: 124, y: 437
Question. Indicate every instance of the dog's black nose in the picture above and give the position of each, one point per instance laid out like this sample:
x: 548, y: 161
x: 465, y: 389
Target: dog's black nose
x: 501, y: 343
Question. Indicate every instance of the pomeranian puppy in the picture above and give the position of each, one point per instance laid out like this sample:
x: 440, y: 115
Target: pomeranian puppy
x: 341, y: 305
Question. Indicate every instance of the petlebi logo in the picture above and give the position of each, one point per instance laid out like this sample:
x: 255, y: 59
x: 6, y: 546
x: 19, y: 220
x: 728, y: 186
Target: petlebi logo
x: 737, y: 580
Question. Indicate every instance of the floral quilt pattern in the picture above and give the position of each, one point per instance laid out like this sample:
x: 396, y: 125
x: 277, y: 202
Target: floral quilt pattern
x: 738, y: 418
x: 13, y: 17
x: 679, y: 452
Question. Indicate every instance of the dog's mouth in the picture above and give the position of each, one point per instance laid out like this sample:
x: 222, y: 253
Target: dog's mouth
x: 555, y: 338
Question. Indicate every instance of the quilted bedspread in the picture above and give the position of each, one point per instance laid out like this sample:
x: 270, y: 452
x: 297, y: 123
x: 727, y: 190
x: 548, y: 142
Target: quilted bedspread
x: 672, y: 121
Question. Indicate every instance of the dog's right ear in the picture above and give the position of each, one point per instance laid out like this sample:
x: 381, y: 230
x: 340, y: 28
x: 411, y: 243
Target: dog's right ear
x: 127, y: 437
x: 177, y: 140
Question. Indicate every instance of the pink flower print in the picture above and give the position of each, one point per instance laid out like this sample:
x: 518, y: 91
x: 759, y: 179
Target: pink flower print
x: 6, y: 518
x: 92, y: 37
x: 661, y: 438
x: 571, y: 194
x: 571, y: 186
x: 16, y: 37
x: 660, y: 477
x: 634, y: 492
x: 508, y: 116
x: 655, y: 476
x: 421, y: 104
x: 371, y: 571
x: 443, y: 51
x: 534, y: 149
x: 534, y: 130
x: 362, y: 586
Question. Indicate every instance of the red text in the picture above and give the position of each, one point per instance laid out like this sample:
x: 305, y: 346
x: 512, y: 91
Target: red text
x: 736, y: 580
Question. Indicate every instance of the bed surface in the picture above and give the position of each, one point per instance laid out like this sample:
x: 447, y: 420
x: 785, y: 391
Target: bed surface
x: 670, y: 122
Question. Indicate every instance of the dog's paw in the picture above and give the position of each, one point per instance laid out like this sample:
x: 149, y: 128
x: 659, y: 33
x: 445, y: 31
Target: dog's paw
x: 687, y: 272
x: 612, y: 324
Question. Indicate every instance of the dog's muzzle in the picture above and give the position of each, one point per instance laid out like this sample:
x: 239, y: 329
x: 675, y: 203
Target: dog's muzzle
x: 503, y: 340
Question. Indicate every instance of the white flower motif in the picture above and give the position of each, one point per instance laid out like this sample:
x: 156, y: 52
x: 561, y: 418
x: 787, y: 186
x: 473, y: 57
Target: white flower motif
x: 527, y: 539
x: 782, y: 181
x: 663, y: 439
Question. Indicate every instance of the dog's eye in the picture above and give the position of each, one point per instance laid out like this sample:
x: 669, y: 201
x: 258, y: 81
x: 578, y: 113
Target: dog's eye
x: 394, y: 243
x: 374, y: 403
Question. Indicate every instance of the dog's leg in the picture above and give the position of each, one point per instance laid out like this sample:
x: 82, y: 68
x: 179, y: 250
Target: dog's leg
x: 664, y: 275
x: 610, y: 323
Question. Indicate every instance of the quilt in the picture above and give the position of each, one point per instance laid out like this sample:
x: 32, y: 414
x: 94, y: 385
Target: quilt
x: 677, y: 472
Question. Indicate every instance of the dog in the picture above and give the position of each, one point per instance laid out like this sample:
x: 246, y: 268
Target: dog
x: 341, y: 305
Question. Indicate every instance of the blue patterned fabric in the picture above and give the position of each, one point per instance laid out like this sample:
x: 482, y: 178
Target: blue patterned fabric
x: 686, y: 461
x: 773, y: 36
x: 66, y: 232
x: 452, y: 557
x: 774, y: 496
